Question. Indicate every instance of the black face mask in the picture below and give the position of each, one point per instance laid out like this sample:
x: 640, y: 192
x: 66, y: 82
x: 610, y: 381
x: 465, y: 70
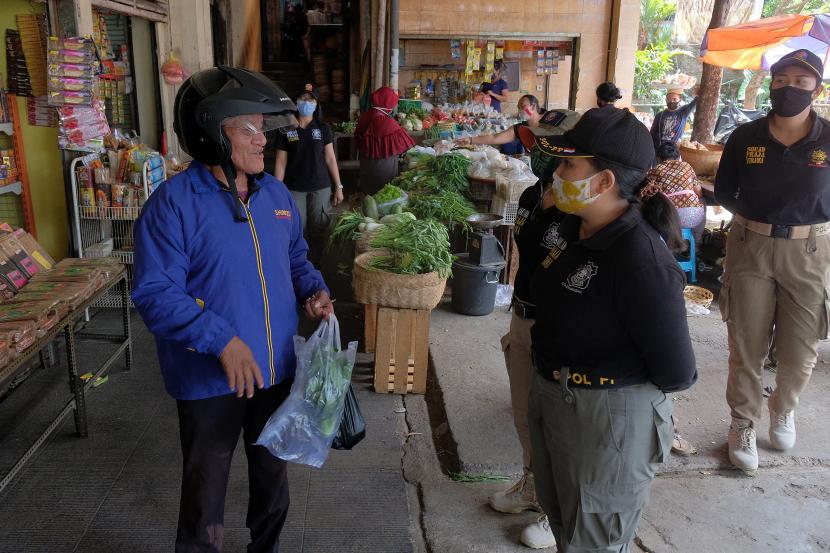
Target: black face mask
x: 789, y: 101
x: 672, y: 105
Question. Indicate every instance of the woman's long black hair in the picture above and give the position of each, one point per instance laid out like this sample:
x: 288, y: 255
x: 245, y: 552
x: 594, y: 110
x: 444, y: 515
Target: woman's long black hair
x: 657, y: 210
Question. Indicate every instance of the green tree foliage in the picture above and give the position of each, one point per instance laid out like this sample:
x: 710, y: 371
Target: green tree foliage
x: 653, y: 63
x: 655, y: 21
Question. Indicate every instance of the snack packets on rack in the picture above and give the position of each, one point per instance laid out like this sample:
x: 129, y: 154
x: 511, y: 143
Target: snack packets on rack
x: 44, y: 314
x: 20, y: 335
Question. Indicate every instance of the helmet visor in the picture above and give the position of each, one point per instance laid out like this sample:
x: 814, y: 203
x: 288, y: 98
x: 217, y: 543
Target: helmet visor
x: 262, y: 123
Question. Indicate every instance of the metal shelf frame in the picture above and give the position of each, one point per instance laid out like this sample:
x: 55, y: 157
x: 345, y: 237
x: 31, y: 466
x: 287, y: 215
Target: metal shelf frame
x: 77, y: 404
x: 105, y: 231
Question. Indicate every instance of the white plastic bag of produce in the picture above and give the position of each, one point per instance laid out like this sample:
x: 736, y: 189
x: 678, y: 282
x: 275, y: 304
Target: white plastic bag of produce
x: 302, y: 428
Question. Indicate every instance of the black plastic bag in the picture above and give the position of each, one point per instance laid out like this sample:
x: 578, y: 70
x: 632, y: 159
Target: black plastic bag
x: 352, y: 426
x: 732, y: 117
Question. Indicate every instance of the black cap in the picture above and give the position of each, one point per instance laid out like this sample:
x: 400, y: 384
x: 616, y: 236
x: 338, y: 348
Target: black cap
x: 608, y: 133
x: 804, y: 58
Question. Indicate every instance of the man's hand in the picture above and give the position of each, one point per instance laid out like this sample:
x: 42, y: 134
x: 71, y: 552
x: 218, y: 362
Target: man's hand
x: 338, y: 195
x: 241, y: 368
x: 319, y: 306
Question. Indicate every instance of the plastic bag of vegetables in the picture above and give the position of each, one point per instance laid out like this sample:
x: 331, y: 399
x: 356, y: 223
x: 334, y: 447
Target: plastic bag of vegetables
x: 301, y: 430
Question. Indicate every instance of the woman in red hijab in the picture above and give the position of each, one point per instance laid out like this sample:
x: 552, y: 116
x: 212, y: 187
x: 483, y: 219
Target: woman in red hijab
x: 380, y: 140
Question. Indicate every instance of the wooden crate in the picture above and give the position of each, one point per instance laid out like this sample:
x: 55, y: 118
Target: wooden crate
x: 400, y: 340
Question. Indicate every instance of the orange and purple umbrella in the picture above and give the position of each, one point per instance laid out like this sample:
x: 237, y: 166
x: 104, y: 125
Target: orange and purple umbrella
x: 759, y: 44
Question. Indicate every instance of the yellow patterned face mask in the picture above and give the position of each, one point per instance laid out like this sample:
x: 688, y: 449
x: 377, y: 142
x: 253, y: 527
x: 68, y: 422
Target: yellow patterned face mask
x: 572, y: 196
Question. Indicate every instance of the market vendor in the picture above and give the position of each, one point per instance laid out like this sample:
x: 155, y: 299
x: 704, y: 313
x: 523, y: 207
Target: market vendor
x: 607, y: 94
x: 678, y: 182
x: 380, y: 141
x: 219, y: 280
x: 306, y: 163
x: 530, y: 114
x: 669, y: 124
x: 611, y: 337
x: 774, y: 178
x: 496, y: 89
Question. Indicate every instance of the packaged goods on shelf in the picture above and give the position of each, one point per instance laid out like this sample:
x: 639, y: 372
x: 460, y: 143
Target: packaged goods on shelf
x: 14, y: 251
x: 19, y: 334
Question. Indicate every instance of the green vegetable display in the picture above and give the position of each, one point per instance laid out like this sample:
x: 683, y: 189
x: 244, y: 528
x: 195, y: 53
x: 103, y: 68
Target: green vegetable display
x: 388, y: 193
x: 415, y: 247
x: 370, y: 207
x: 346, y: 127
x: 451, y: 170
x: 346, y: 227
x: 448, y: 207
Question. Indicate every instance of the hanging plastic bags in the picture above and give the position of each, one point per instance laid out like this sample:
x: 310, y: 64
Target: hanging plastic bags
x: 301, y: 430
x: 352, y: 426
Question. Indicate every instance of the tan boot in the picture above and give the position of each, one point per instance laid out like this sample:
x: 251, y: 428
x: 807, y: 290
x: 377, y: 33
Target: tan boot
x: 520, y: 497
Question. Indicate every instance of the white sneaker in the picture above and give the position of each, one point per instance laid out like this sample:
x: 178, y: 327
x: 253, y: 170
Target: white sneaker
x: 742, y: 451
x: 521, y: 496
x: 538, y: 535
x: 782, y: 429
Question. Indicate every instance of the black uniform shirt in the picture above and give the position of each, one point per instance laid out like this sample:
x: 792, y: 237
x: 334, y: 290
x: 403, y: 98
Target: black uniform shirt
x: 536, y: 232
x: 761, y: 179
x: 306, y: 169
x: 611, y: 309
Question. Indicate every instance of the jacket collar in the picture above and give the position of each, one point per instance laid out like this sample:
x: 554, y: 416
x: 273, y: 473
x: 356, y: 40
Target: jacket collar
x: 609, y: 234
x: 204, y: 182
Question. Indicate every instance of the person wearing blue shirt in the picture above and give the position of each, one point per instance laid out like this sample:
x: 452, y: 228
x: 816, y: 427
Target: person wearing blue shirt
x: 496, y: 88
x: 220, y: 275
x: 670, y: 123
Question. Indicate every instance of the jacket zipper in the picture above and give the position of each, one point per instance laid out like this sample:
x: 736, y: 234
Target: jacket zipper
x: 258, y: 252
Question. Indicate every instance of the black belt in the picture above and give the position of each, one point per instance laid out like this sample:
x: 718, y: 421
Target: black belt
x: 523, y: 310
x: 588, y: 379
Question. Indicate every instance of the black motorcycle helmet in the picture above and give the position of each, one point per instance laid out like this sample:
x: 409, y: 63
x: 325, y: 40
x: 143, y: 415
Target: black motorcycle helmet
x: 209, y: 97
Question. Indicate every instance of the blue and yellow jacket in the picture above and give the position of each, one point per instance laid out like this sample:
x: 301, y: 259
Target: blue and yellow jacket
x: 202, y: 278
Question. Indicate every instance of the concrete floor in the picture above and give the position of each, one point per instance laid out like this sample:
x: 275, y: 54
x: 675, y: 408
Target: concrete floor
x: 699, y: 503
x: 117, y: 491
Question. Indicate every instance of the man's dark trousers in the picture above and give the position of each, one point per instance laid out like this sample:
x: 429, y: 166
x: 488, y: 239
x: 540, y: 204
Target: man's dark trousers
x: 209, y: 431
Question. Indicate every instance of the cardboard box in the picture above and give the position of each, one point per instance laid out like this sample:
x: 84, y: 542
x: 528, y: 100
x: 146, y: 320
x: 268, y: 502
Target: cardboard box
x: 35, y: 250
x: 14, y: 250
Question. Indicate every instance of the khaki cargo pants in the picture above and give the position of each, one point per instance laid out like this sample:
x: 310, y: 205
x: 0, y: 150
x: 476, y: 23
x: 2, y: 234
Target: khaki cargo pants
x: 520, y: 372
x: 595, y: 453
x: 773, y: 283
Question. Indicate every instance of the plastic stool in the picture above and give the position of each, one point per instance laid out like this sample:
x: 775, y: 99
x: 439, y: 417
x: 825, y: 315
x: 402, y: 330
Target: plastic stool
x: 689, y: 266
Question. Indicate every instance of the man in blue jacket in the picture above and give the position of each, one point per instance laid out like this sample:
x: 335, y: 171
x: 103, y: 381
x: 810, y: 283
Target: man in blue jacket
x: 220, y: 271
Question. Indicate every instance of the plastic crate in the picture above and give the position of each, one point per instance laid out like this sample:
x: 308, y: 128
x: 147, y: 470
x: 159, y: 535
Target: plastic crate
x: 512, y: 190
x: 481, y: 190
x: 507, y: 209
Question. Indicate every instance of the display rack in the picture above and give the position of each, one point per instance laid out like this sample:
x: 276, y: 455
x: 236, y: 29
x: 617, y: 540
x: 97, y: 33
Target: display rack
x: 15, y: 199
x: 105, y: 231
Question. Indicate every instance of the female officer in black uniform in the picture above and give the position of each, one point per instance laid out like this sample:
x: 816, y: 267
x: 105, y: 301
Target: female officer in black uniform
x: 610, y: 336
x: 535, y: 232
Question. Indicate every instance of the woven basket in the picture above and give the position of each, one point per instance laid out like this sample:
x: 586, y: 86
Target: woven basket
x: 374, y: 287
x: 364, y: 243
x: 704, y: 162
x: 698, y: 295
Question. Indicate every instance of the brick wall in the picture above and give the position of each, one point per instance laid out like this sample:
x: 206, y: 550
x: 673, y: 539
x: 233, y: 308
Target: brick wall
x: 588, y: 19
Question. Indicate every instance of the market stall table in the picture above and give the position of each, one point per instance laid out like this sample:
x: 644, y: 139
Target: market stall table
x: 78, y: 388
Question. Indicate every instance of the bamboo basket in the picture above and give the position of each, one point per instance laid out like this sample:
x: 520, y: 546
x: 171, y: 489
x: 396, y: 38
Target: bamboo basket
x: 364, y: 243
x: 704, y: 162
x: 374, y: 287
x: 698, y: 295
